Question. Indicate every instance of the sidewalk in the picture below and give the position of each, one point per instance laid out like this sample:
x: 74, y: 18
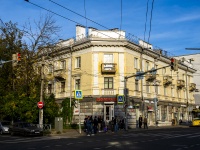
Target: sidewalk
x: 75, y: 132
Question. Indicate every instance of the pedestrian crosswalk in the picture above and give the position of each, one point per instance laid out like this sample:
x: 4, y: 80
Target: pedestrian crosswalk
x: 17, y: 139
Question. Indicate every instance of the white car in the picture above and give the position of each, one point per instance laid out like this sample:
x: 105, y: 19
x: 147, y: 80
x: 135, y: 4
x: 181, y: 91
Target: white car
x: 4, y: 127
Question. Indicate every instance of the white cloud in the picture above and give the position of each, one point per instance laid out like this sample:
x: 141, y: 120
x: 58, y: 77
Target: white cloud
x: 186, y: 18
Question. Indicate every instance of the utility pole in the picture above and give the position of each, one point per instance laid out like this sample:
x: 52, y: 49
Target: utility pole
x: 126, y: 104
x: 41, y: 93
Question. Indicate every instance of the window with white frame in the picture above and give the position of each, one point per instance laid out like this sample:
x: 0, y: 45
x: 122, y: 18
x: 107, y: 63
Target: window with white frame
x: 77, y: 84
x: 50, y: 69
x: 108, y: 82
x: 136, y: 85
x: 136, y: 63
x: 49, y: 89
x: 62, y: 86
x: 62, y: 64
x: 78, y: 62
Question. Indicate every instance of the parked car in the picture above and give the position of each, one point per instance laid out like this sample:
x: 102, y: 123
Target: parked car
x: 25, y: 129
x: 4, y: 127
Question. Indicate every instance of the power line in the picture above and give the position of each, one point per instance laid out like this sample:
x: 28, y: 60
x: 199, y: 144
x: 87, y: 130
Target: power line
x: 85, y: 17
x: 121, y: 17
x: 146, y: 19
x: 151, y: 19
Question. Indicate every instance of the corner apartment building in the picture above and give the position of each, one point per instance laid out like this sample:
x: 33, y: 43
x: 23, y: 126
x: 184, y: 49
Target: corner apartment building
x: 97, y: 64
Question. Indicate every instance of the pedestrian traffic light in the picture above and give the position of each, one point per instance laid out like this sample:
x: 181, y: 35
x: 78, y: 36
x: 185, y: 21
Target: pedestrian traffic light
x: 18, y: 57
x: 174, y: 64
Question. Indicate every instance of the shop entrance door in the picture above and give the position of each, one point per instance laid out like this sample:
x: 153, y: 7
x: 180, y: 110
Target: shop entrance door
x: 108, y: 111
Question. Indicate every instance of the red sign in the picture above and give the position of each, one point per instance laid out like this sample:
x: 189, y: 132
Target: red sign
x: 106, y: 99
x: 40, y: 105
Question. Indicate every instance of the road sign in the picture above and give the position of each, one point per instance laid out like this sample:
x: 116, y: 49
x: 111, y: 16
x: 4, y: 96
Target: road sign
x: 120, y: 99
x: 40, y: 105
x: 138, y: 76
x: 153, y: 71
x: 78, y: 94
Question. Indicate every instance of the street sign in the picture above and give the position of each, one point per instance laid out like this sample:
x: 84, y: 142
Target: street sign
x: 153, y: 71
x: 138, y: 76
x: 78, y: 94
x: 120, y: 99
x: 40, y: 105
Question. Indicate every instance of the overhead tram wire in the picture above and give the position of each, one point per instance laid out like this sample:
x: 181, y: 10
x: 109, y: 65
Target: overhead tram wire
x: 151, y: 20
x: 85, y: 19
x: 145, y: 26
x: 76, y: 21
x: 121, y: 17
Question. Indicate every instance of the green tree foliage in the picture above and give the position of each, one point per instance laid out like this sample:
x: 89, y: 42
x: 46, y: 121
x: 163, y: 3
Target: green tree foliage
x: 67, y: 112
x: 51, y: 109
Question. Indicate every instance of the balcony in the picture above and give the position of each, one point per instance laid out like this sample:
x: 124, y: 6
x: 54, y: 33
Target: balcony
x: 180, y: 84
x: 192, y: 87
x: 150, y: 77
x: 167, y: 80
x: 108, y: 68
x: 59, y: 74
x: 108, y: 92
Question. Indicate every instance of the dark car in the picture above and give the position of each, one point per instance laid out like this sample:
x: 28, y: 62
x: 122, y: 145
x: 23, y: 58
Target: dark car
x: 4, y: 127
x: 26, y: 129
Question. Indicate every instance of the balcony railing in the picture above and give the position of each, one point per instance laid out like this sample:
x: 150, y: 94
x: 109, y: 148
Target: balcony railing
x: 167, y: 80
x: 192, y: 87
x: 108, y: 67
x: 150, y: 77
x: 59, y: 74
x: 108, y: 92
x: 180, y: 84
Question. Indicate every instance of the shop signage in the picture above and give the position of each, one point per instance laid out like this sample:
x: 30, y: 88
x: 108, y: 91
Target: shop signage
x: 106, y: 99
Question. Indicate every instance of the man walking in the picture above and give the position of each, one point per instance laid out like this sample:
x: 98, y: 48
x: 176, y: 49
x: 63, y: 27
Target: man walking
x: 140, y: 121
x: 145, y: 123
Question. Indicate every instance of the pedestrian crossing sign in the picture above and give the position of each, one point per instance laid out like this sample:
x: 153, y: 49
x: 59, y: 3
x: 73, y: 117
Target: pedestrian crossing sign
x: 78, y: 94
x: 120, y: 99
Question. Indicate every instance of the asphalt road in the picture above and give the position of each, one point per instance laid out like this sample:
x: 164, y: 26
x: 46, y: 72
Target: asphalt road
x: 160, y: 139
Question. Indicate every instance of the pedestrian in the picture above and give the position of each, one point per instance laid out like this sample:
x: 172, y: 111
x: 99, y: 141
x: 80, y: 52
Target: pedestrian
x: 145, y: 123
x: 95, y: 124
x: 100, y: 121
x: 88, y: 124
x: 115, y: 124
x: 140, y: 121
x: 85, y: 124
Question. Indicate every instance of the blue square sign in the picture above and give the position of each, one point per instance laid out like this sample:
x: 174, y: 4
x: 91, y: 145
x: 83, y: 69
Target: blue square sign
x: 78, y: 94
x: 120, y: 99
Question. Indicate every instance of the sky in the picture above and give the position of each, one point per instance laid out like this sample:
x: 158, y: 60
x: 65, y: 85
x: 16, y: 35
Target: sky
x: 173, y: 26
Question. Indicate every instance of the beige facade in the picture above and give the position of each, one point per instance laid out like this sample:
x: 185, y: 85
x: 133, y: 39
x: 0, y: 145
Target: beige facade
x: 97, y: 65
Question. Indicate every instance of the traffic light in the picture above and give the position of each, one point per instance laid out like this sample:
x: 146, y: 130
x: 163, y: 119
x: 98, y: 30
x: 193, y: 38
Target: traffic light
x: 14, y: 60
x: 18, y: 57
x: 174, y: 64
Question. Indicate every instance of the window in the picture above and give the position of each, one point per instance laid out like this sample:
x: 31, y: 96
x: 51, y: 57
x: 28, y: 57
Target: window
x: 136, y: 85
x: 49, y: 88
x: 147, y: 87
x: 108, y: 58
x: 147, y: 66
x: 108, y: 83
x: 50, y: 68
x: 78, y: 62
x: 136, y: 63
x: 62, y: 86
x: 62, y: 64
x: 77, y: 84
x: 164, y: 70
x: 165, y: 91
x: 156, y: 89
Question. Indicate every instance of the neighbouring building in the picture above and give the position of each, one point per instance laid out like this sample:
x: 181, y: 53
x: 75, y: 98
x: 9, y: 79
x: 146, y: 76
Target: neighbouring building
x: 193, y: 61
x: 97, y: 64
